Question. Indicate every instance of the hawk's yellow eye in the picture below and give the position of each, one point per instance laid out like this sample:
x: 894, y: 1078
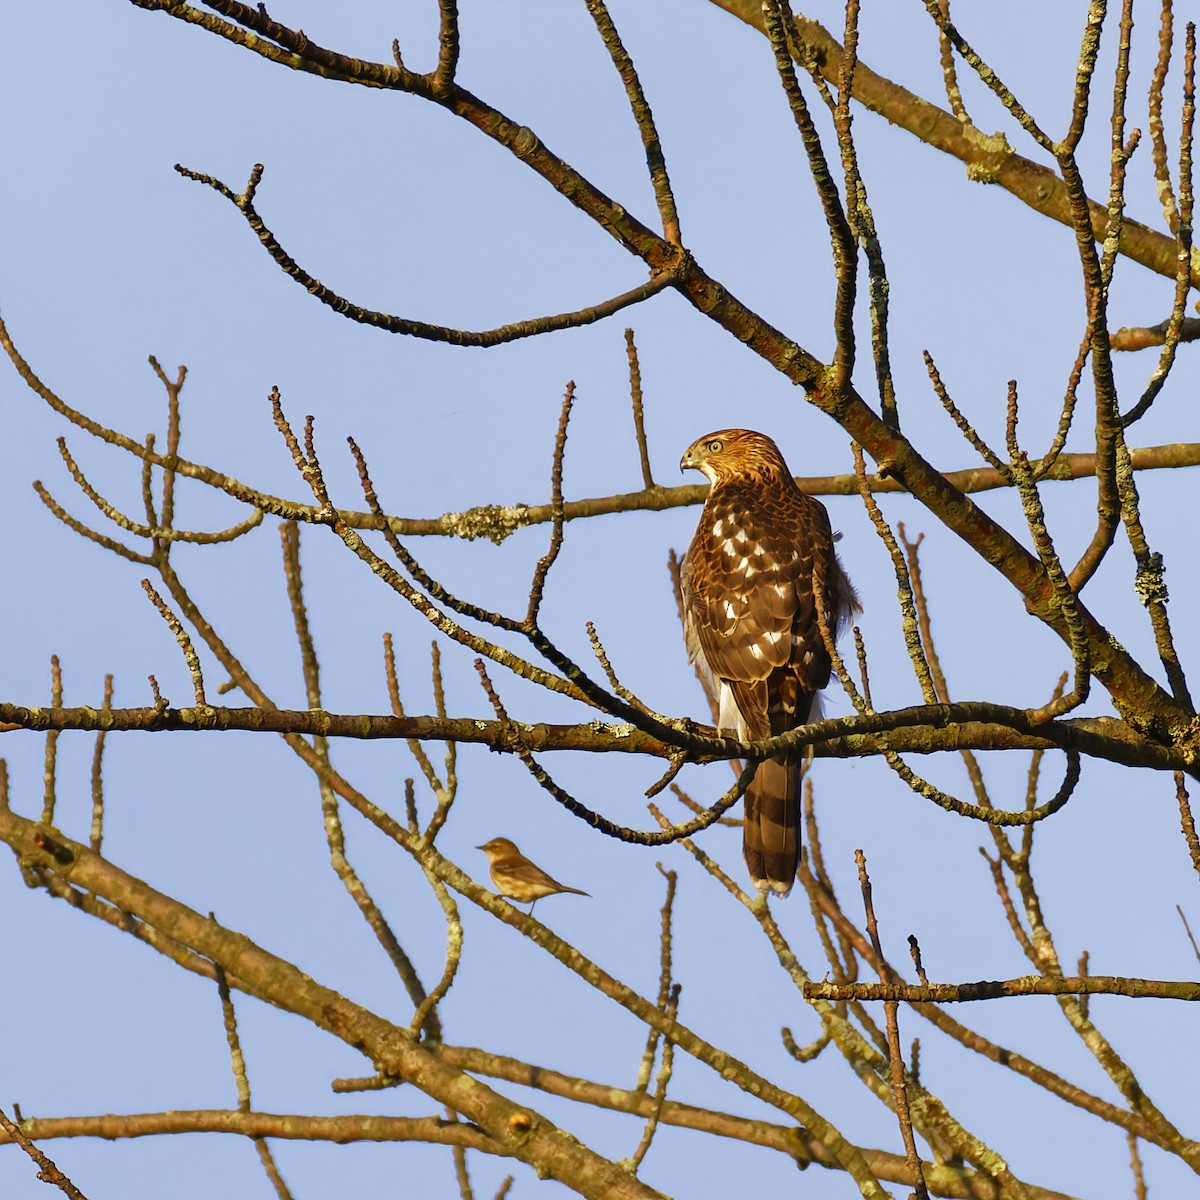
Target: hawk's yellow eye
x: 716, y: 446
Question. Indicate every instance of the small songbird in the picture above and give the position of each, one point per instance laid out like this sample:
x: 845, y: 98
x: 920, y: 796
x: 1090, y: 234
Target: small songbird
x: 749, y: 582
x: 516, y: 877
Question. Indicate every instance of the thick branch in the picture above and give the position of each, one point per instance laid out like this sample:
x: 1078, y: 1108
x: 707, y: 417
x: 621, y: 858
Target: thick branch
x: 1099, y: 737
x: 290, y: 1126
x: 393, y: 1053
x: 958, y: 1183
x: 521, y: 1131
x: 1141, y: 338
x: 988, y: 158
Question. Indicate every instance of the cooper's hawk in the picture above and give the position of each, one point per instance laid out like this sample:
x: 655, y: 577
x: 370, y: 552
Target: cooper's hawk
x: 748, y: 580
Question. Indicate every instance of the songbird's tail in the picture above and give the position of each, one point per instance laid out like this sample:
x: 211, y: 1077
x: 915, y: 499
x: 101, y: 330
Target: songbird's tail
x: 771, y: 834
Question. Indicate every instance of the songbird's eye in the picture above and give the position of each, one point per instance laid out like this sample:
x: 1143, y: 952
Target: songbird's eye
x: 716, y: 446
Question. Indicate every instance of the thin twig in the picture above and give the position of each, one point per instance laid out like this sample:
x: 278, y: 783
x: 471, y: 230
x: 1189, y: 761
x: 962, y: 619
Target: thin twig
x: 904, y: 593
x: 147, y: 484
x: 617, y: 686
x: 964, y: 426
x: 289, y: 538
x: 914, y: 948
x: 544, y: 564
x: 603, y: 824
x: 448, y: 47
x: 174, y: 388
x: 1135, y: 1162
x: 96, y: 837
x: 153, y: 529
x: 331, y: 816
x: 1176, y: 326
x: 183, y: 638
x: 446, y: 796
x: 416, y: 749
x: 925, y: 628
x: 949, y: 71
x: 809, y: 1053
x: 639, y: 416
x: 778, y: 26
x: 1158, y: 141
x: 655, y: 162
x: 1081, y: 968
x: 47, y: 1171
x: 242, y: 1082
x: 692, y: 806
x: 1188, y: 930
x: 664, y: 978
x: 665, y: 1069
x: 895, y: 1055
x: 986, y: 74
x: 1065, y: 596
x: 461, y: 1173
x: 50, y: 783
x: 454, y: 947
x: 1186, y: 821
x: 404, y: 325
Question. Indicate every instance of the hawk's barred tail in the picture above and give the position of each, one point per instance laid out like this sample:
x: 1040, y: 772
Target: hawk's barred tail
x: 771, y: 835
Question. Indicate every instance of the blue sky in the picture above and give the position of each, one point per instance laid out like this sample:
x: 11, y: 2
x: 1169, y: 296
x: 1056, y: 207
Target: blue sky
x: 107, y: 255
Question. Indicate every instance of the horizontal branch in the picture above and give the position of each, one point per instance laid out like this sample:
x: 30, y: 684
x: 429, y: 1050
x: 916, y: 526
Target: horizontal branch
x: 1138, y: 337
x: 1137, y: 695
x: 496, y: 522
x: 995, y: 989
x: 1104, y: 738
x: 946, y: 1180
x: 296, y: 1127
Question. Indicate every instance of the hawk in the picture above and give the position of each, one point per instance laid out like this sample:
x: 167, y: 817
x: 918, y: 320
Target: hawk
x: 748, y: 584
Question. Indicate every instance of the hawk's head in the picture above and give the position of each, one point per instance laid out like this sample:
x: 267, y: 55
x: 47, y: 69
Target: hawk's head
x: 728, y: 453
